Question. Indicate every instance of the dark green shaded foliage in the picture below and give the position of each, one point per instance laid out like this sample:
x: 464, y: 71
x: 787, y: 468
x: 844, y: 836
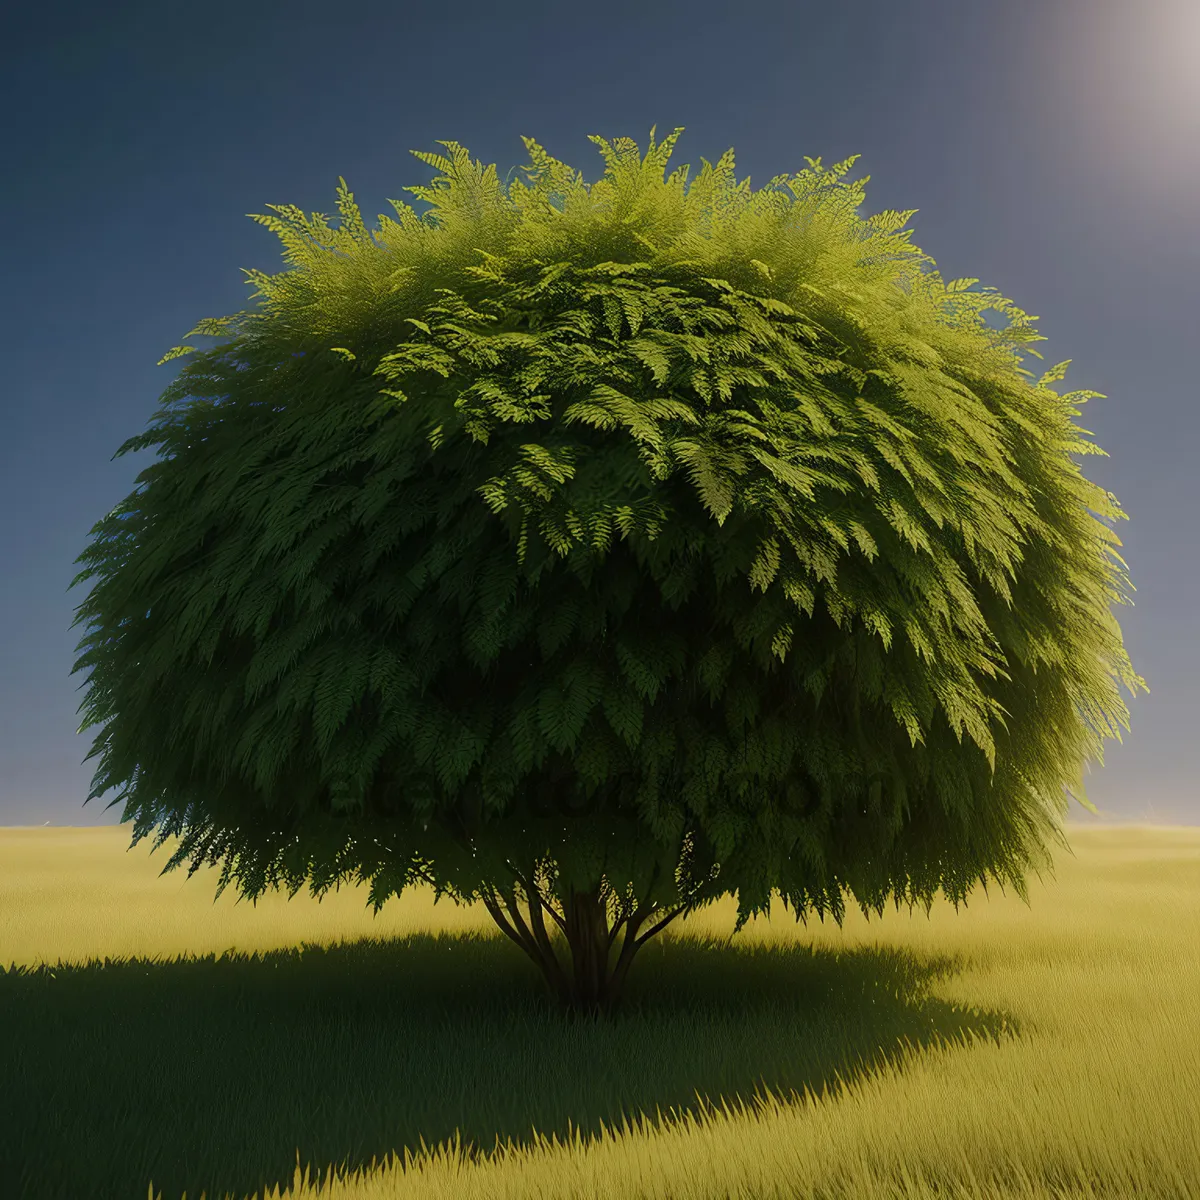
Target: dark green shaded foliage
x: 624, y: 547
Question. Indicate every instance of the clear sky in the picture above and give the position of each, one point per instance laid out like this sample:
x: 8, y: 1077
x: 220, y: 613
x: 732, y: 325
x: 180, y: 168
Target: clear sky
x: 1050, y: 147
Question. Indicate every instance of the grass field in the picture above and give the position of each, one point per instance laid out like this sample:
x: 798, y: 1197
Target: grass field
x: 148, y: 1036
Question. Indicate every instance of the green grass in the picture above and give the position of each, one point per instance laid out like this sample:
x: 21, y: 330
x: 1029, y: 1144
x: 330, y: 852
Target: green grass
x: 997, y: 1052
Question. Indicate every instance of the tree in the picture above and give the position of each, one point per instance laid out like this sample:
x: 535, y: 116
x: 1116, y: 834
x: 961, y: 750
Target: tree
x: 607, y: 551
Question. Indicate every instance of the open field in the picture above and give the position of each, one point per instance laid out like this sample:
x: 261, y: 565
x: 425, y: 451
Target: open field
x: 147, y: 1034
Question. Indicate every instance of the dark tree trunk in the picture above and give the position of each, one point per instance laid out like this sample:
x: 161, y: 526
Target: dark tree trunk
x: 591, y: 985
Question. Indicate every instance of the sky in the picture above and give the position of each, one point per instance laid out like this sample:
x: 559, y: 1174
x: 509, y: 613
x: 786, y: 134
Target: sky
x: 1049, y: 146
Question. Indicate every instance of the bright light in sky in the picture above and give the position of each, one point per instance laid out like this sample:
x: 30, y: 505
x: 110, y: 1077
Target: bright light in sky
x: 1126, y: 77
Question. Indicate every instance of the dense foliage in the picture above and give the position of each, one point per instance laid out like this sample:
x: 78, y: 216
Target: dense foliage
x: 620, y: 547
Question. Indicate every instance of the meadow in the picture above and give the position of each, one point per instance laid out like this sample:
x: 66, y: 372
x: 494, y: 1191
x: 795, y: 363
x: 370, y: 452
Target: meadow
x: 155, y: 1044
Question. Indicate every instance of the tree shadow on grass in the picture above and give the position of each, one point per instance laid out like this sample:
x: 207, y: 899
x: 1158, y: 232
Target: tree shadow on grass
x: 214, y: 1073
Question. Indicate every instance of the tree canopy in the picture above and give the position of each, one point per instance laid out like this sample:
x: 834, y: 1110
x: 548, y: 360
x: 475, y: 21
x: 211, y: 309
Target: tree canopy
x: 608, y: 550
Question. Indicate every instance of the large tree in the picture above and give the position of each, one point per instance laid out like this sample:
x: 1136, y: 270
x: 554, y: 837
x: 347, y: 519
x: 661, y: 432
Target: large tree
x: 607, y: 551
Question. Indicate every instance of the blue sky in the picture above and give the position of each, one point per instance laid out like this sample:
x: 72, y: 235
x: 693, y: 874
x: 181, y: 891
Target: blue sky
x: 1050, y: 148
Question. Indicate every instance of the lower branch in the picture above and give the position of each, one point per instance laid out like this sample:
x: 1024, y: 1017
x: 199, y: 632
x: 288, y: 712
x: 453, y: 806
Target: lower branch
x: 497, y: 916
x: 536, y: 945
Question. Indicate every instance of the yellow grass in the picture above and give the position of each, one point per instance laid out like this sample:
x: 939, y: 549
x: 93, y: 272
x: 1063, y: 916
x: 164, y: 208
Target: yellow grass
x: 1002, y: 1051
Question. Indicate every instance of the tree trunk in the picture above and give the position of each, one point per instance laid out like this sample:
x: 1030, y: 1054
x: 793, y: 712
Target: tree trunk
x: 593, y: 985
